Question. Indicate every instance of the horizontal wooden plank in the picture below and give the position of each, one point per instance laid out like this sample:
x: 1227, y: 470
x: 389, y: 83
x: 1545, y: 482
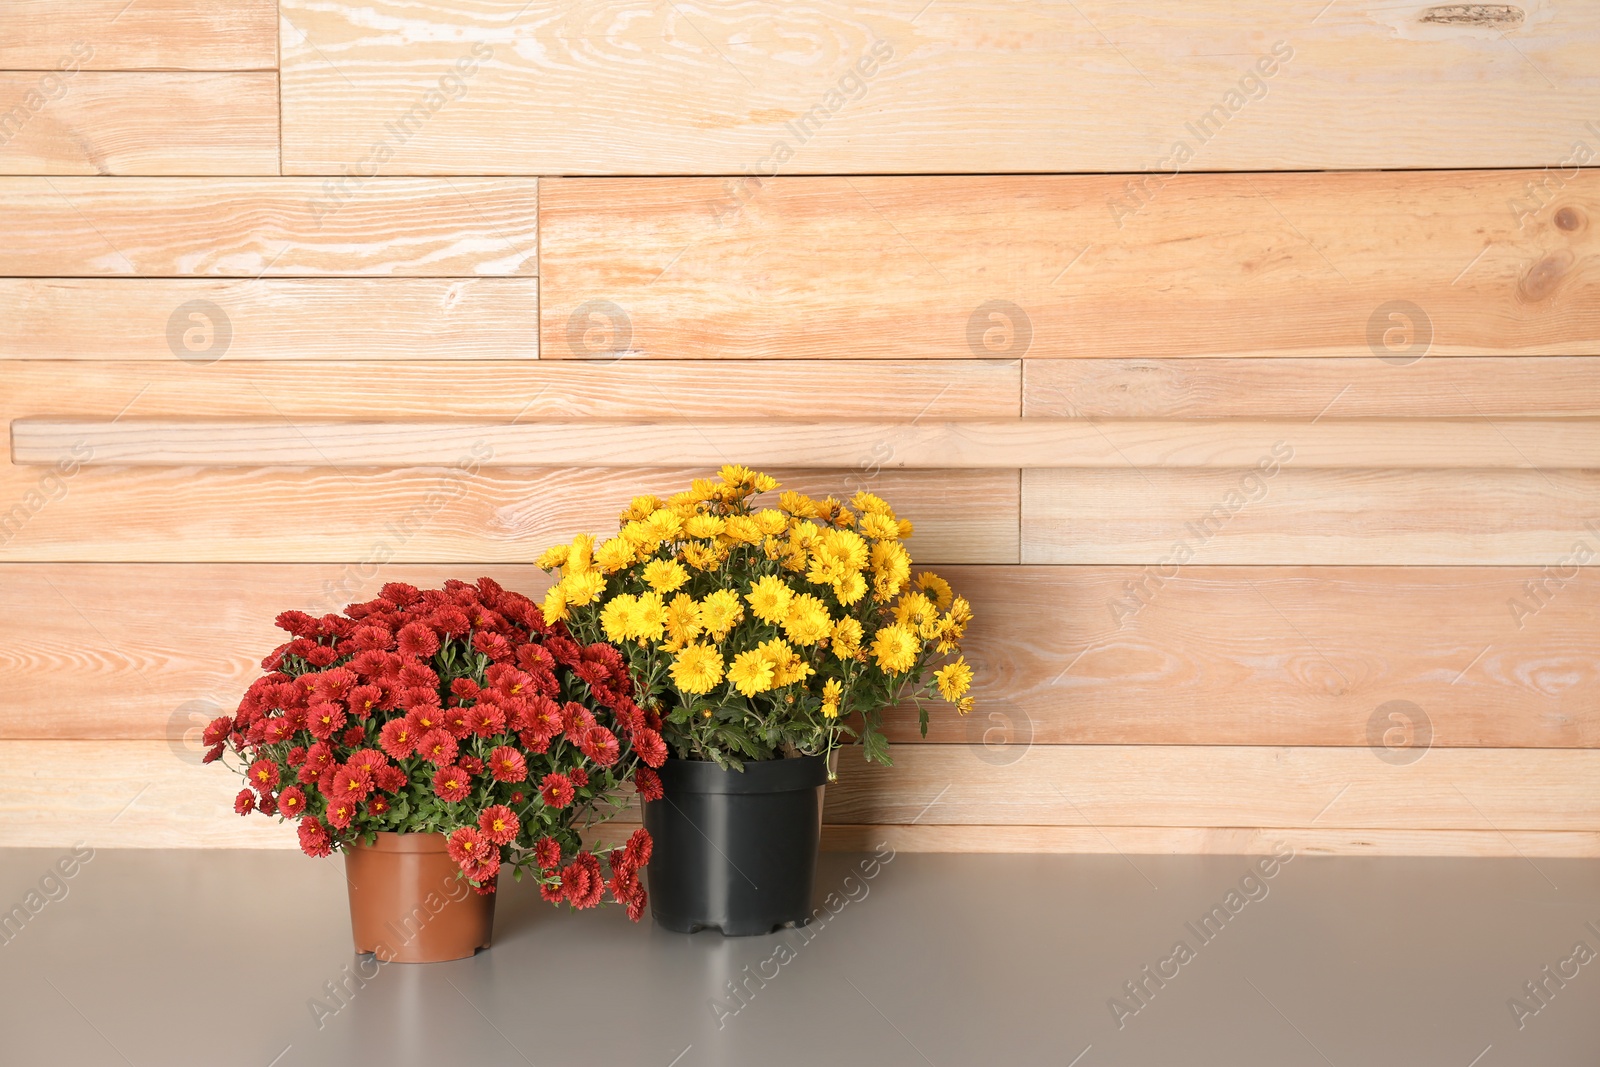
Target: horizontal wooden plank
x: 833, y: 87
x: 93, y: 122
x: 1156, y: 785
x: 1305, y: 656
x: 250, y: 227
x: 1302, y: 656
x: 435, y: 515
x: 921, y: 443
x: 1393, y: 264
x: 146, y: 794
x: 299, y: 319
x: 934, y: 389
x: 1280, y: 515
x: 1290, y: 388
x: 1209, y: 840
x: 143, y: 35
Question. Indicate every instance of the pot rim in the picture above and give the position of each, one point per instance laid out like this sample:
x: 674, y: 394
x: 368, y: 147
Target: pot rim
x: 758, y: 776
x: 391, y: 841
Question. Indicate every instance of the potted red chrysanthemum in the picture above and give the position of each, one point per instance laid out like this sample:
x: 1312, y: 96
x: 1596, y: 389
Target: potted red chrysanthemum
x: 436, y: 737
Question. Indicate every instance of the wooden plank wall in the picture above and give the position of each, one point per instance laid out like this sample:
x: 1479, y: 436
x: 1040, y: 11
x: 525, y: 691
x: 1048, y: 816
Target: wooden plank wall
x: 1237, y: 360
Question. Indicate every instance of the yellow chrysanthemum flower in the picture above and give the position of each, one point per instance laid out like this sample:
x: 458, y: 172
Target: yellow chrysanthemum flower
x: 872, y: 505
x: 741, y: 530
x: 640, y: 507
x: 697, y: 669
x: 683, y: 620
x: 553, y: 557
x: 769, y: 599
x: 807, y: 620
x: 650, y: 618
x: 702, y: 556
x: 583, y: 587
x: 555, y: 603
x: 720, y: 612
x: 703, y: 525
x: 664, y: 525
x: 846, y: 638
x: 831, y: 692
x: 954, y: 680
x: 804, y: 533
x: 614, y: 555
x: 581, y: 556
x: 736, y: 475
x: 895, y: 648
x: 906, y: 528
x: 915, y: 611
x: 935, y: 587
x: 880, y: 527
x: 616, y: 618
x: 665, y: 575
x: 964, y: 705
x: 891, y: 569
x: 787, y: 666
x: 771, y: 521
x: 797, y: 504
x: 751, y: 673
x: 765, y: 483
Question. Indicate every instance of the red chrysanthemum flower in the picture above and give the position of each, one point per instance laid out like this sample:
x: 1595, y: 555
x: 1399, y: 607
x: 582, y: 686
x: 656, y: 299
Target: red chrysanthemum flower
x: 486, y: 720
x: 341, y: 812
x: 213, y: 753
x: 324, y: 720
x: 600, y: 745
x: 351, y: 783
x: 636, y: 905
x: 371, y: 639
x: 378, y: 805
x: 499, y: 824
x: 471, y: 764
x: 581, y: 883
x: 296, y: 756
x: 331, y: 686
x: 648, y: 783
x: 556, y: 789
x: 365, y: 700
x: 639, y: 848
x: 550, y: 894
x: 417, y: 641
x: 415, y: 675
x: 263, y: 775
x: 244, y: 803
x: 315, y: 841
x: 354, y: 736
x: 452, y: 784
x: 390, y: 779
x: 437, y: 747
x: 452, y: 621
x: 506, y: 764
x: 547, y: 853
x: 651, y: 748
x: 495, y: 646
x: 543, y: 717
x: 424, y: 718
x: 577, y: 720
x: 370, y: 758
x: 268, y: 805
x: 217, y: 730
x: 292, y: 801
x: 467, y: 846
x: 400, y: 594
x: 579, y: 776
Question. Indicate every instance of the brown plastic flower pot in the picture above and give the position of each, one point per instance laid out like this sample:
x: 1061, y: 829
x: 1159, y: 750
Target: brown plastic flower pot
x: 408, y: 903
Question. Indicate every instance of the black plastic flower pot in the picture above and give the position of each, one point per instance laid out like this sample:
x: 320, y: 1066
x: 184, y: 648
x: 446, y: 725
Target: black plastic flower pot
x: 735, y: 850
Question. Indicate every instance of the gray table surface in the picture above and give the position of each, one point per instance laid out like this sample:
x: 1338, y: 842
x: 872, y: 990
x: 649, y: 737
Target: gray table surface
x: 225, y: 957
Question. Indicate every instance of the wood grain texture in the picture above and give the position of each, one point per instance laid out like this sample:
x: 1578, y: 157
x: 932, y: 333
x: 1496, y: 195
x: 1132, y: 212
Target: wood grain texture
x: 436, y: 515
x: 1289, y: 388
x: 146, y: 35
x: 102, y: 319
x: 961, y: 444
x: 250, y: 227
x: 1218, y: 656
x: 1286, y: 516
x: 933, y: 389
x: 1216, y: 265
x: 1487, y: 656
x: 1155, y: 785
x: 966, y: 85
x: 1209, y: 840
x: 139, y: 123
x: 150, y: 794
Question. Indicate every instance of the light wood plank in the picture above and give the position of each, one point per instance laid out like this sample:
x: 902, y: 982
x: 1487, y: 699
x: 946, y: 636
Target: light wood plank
x: 436, y: 515
x: 250, y: 227
x: 1217, y: 265
x: 1289, y: 388
x: 1485, y: 656
x: 964, y: 85
x: 146, y: 35
x: 1218, y: 656
x: 146, y: 794
x: 1281, y: 515
x: 138, y: 123
x: 103, y: 319
x: 933, y: 389
x: 961, y: 444
x: 1148, y: 785
x: 1224, y: 841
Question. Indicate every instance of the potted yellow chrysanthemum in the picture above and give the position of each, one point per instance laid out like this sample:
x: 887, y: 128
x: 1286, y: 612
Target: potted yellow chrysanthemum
x: 764, y: 638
